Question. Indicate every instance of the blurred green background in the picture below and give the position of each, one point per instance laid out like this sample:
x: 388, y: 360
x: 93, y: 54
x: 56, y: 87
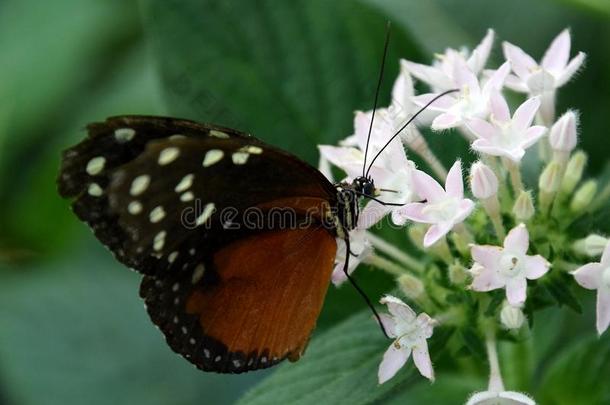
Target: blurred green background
x: 72, y: 328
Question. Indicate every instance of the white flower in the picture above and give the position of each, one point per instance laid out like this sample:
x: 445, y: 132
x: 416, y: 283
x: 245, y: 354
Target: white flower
x: 483, y: 181
x: 444, y: 208
x: 473, y: 100
x: 505, y: 136
x: 508, y: 267
x: 360, y: 247
x: 554, y: 71
x: 500, y: 398
x: 564, y: 136
x: 410, y: 332
x: 596, y: 276
x: 440, y: 76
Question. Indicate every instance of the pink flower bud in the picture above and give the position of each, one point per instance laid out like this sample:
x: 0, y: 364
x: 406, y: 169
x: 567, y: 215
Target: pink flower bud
x: 563, y: 135
x: 483, y: 181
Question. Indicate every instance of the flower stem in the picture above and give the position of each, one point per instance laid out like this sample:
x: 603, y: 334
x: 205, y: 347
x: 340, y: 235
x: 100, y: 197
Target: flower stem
x: 385, y: 265
x: 409, y: 261
x: 492, y: 207
x: 515, y: 176
x: 495, y: 376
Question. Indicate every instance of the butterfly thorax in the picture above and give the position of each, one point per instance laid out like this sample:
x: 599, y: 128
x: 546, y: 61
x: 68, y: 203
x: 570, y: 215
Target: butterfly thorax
x: 348, y: 202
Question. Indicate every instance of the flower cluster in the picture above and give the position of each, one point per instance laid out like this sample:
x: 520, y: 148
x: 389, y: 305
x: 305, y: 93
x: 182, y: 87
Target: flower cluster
x: 509, y: 240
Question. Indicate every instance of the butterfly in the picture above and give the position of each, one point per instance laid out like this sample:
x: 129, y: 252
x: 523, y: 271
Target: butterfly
x: 172, y: 199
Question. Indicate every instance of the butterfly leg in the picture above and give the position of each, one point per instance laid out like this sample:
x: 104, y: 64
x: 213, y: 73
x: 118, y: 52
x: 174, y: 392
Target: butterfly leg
x: 357, y: 287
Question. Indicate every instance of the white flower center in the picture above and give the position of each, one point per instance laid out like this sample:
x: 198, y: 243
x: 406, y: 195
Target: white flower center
x: 409, y: 333
x: 511, y: 265
x: 443, y: 210
x: 606, y: 277
x: 509, y: 138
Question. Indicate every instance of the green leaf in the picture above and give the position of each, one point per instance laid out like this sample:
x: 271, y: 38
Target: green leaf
x: 578, y: 375
x: 559, y: 286
x: 340, y: 366
x: 291, y: 73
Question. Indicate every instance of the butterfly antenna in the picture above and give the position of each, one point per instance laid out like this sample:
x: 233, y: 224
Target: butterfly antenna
x: 360, y: 290
x: 379, y: 81
x: 407, y: 124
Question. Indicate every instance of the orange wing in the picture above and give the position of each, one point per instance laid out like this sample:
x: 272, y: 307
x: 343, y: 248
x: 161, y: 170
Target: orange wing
x: 254, y: 303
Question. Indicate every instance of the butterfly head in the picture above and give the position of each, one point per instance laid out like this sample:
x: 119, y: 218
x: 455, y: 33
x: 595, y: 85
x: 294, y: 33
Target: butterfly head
x: 364, y: 186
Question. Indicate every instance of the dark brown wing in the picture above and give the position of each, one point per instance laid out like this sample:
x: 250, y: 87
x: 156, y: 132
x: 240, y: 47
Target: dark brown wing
x: 257, y: 306
x: 145, y: 208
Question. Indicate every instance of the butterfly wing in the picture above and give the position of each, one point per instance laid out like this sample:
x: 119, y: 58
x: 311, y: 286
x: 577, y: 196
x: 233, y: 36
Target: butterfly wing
x: 144, y: 203
x: 258, y: 309
x: 193, y: 206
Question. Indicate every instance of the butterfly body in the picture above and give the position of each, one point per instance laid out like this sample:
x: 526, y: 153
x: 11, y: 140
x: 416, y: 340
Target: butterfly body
x: 236, y: 239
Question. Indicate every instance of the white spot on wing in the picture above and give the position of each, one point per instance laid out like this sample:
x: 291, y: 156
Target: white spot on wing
x: 96, y: 165
x: 188, y: 196
x: 208, y: 210
x: 95, y: 190
x: 251, y: 149
x: 157, y: 214
x: 185, y: 183
x: 168, y: 155
x: 172, y: 257
x: 176, y: 287
x: 240, y: 158
x: 212, y: 156
x: 134, y: 207
x: 159, y: 240
x: 124, y: 134
x: 139, y: 184
x: 198, y: 273
x: 218, y: 134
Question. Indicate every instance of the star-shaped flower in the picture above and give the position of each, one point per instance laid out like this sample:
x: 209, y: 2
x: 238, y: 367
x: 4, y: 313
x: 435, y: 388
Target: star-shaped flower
x: 443, y: 208
x: 507, y: 267
x: 410, y: 332
x: 505, y: 136
x: 440, y: 76
x: 555, y: 69
x: 596, y: 276
x: 472, y: 101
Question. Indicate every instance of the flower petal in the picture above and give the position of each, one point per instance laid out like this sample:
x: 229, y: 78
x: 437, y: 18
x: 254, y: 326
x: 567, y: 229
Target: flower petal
x: 482, y: 398
x: 481, y: 128
x: 499, y: 107
x: 372, y: 213
x: 523, y: 117
x: 393, y: 360
x: 521, y: 63
x: 536, y: 267
x: 454, y: 185
x: 446, y: 121
x: 571, y: 69
x: 518, y: 240
x: 603, y: 310
x: 427, y: 188
x: 389, y: 325
x: 413, y: 212
x: 516, y: 290
x: 515, y: 83
x: 516, y: 398
x: 489, y: 279
x: 436, y: 232
x: 429, y: 74
x: 496, y: 80
x: 442, y: 104
x: 421, y: 357
x: 487, y: 256
x: 398, y: 309
x: 465, y: 208
x: 533, y: 135
x: 605, y: 260
x: 589, y: 276
x: 463, y: 76
x: 556, y: 56
x: 480, y: 54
